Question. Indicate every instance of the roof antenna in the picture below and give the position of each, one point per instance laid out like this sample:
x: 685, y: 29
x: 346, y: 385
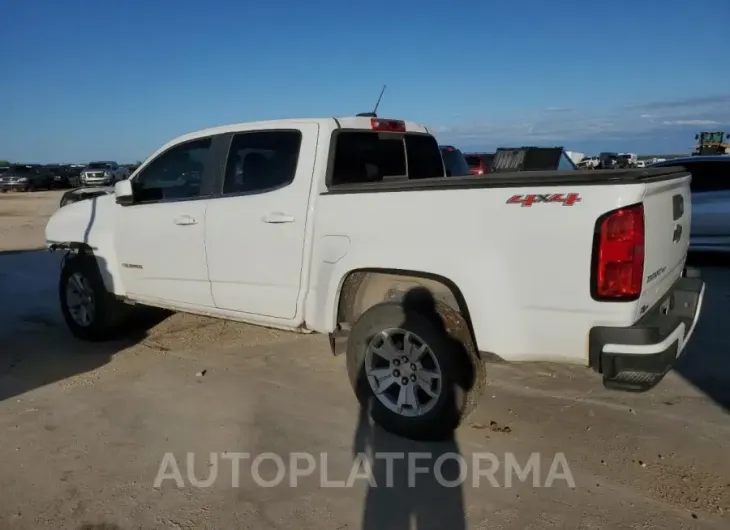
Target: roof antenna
x: 373, y: 114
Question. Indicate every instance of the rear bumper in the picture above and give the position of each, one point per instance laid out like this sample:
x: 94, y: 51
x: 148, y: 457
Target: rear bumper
x: 637, y: 357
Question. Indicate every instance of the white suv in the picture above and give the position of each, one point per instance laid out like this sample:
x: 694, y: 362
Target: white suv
x: 103, y: 174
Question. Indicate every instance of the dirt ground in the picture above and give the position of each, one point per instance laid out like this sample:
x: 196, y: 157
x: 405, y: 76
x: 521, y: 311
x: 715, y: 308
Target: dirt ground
x: 23, y: 218
x: 85, y: 427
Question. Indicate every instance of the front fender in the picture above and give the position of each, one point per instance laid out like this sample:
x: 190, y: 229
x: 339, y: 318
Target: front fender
x: 89, y: 224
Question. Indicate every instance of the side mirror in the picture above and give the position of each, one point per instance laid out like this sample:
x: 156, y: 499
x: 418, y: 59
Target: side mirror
x: 448, y: 173
x: 727, y: 136
x: 697, y: 136
x: 123, y: 192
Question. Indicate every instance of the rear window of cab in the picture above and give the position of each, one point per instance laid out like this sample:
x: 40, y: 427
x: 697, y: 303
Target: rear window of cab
x: 372, y: 156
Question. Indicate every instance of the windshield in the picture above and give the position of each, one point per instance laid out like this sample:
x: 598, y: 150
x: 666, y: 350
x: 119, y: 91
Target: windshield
x: 711, y: 137
x: 99, y: 165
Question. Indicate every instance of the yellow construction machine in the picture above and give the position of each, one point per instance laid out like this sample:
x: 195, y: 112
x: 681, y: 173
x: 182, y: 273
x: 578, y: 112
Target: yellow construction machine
x: 711, y: 143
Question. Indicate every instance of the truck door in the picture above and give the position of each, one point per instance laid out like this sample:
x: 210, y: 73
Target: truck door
x: 160, y: 239
x: 255, y: 230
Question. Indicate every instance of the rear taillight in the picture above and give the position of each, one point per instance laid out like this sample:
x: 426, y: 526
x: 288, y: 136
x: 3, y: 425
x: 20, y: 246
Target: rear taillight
x: 618, y: 255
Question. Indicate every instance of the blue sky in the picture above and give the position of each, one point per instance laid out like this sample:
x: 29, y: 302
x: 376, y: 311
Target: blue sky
x: 112, y: 79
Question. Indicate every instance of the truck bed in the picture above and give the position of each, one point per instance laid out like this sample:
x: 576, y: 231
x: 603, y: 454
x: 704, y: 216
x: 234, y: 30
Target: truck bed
x: 518, y: 179
x: 525, y: 272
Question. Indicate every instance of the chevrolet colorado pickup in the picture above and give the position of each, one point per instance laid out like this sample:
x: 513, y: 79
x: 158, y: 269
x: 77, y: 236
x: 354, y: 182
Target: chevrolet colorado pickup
x: 350, y: 227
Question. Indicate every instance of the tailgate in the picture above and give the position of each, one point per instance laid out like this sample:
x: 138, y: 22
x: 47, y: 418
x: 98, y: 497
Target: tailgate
x: 667, y: 214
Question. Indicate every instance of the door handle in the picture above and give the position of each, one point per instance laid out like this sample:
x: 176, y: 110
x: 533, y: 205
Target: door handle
x: 185, y: 220
x: 277, y: 218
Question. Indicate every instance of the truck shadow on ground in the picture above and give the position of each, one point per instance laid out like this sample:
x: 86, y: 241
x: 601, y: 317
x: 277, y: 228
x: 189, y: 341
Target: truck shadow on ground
x: 414, y: 484
x: 406, y: 490
x: 706, y: 361
x: 36, y: 348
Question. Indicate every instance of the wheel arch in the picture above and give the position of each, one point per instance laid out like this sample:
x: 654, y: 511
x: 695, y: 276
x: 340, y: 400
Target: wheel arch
x: 109, y: 272
x: 362, y: 288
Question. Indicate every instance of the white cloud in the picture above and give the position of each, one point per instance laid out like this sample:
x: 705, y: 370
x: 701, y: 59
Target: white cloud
x: 700, y: 101
x: 555, y: 124
x: 691, y: 122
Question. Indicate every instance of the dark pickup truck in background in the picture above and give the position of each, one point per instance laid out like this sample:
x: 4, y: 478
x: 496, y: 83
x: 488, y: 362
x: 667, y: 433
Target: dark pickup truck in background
x: 65, y: 175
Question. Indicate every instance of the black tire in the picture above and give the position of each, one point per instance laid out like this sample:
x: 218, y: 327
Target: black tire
x: 109, y: 315
x: 447, y: 335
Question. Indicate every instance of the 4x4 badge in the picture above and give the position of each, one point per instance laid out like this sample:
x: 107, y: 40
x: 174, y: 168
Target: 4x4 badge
x: 566, y: 199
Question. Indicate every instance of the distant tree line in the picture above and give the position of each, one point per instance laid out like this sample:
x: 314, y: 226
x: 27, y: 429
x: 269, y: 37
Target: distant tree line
x: 131, y: 166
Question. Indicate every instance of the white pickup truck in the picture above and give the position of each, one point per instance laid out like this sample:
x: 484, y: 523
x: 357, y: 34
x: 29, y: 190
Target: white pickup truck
x: 349, y: 227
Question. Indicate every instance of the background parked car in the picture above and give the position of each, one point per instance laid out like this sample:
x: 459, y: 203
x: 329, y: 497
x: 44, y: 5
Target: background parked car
x: 26, y: 177
x: 59, y: 181
x: 479, y: 163
x: 589, y: 162
x: 710, y: 200
x: 64, y: 175
x: 607, y: 160
x: 454, y: 161
x: 627, y: 161
x: 131, y: 168
x: 103, y: 174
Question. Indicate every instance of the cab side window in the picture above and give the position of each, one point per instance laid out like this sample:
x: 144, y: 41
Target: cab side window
x: 175, y: 174
x: 261, y: 161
